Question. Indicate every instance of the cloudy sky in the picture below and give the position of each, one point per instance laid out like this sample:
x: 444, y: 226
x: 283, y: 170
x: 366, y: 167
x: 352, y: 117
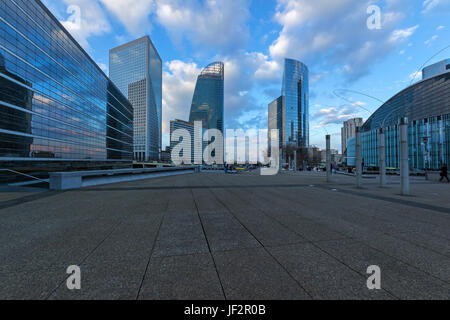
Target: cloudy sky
x: 352, y: 67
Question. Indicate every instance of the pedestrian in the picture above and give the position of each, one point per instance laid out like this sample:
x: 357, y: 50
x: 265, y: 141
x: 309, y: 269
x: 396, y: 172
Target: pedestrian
x: 444, y: 173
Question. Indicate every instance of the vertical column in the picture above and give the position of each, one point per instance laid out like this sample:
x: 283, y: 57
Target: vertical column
x: 295, y: 161
x: 382, y: 156
x: 328, y: 137
x: 359, y: 168
x: 404, y: 157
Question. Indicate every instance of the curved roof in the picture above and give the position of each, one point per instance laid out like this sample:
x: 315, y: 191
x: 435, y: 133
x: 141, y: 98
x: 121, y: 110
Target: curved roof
x: 425, y: 99
x: 214, y: 70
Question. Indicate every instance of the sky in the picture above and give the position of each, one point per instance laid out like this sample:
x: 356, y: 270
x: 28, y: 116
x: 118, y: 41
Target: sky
x: 353, y: 68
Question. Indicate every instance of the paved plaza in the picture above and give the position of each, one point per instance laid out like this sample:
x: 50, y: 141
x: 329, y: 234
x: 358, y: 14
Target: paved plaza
x: 215, y: 236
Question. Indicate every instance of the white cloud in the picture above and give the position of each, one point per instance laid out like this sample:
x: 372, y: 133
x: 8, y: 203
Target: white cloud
x: 217, y: 25
x: 334, y: 33
x: 178, y: 89
x: 440, y: 6
x: 86, y: 19
x: 132, y: 13
x: 402, y: 34
x: 415, y: 76
x: 431, y: 40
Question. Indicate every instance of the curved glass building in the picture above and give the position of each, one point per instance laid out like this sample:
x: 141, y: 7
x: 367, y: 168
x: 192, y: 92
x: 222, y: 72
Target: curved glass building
x: 426, y: 104
x: 296, y: 104
x: 57, y: 107
x: 208, y: 101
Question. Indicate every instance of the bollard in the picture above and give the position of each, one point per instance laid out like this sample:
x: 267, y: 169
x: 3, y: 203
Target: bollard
x: 359, y: 168
x: 328, y: 137
x: 382, y: 155
x: 404, y: 157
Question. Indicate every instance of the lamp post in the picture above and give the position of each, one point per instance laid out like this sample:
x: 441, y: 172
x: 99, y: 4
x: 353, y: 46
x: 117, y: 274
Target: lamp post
x: 382, y: 155
x: 359, y: 168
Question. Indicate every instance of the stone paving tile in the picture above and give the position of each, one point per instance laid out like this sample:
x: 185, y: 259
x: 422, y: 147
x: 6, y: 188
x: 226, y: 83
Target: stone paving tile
x: 322, y: 276
x: 260, y: 277
x: 192, y: 277
x: 225, y: 233
x: 400, y: 279
x: 154, y: 238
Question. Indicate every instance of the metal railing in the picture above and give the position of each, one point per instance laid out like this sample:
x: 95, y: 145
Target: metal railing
x: 25, y: 175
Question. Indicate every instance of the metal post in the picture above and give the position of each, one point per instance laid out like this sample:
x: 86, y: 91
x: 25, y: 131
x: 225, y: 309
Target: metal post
x: 382, y: 155
x: 328, y: 137
x: 295, y: 161
x: 404, y: 157
x: 359, y: 168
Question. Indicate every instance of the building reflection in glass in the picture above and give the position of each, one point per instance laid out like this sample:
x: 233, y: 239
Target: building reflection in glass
x: 56, y: 105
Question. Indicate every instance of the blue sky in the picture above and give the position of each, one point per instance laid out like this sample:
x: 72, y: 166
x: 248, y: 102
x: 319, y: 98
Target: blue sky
x: 253, y: 37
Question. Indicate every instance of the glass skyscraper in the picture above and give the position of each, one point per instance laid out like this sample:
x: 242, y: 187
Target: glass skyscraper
x: 296, y: 104
x: 276, y: 117
x: 136, y: 69
x: 57, y: 108
x: 208, y: 101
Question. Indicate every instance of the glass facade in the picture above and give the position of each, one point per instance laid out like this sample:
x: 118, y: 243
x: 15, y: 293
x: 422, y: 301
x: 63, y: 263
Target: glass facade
x: 427, y: 106
x: 296, y: 104
x: 55, y: 102
x: 189, y: 127
x: 136, y: 69
x: 276, y: 116
x: 208, y: 101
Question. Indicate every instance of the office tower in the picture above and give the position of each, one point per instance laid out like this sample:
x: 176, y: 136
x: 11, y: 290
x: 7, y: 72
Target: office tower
x: 276, y: 121
x: 296, y: 104
x: 349, y: 131
x: 136, y: 69
x: 57, y: 108
x: 189, y: 126
x: 208, y: 101
x: 435, y: 69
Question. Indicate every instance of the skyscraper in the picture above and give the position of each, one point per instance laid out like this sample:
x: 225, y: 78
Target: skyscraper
x: 349, y: 131
x: 276, y: 121
x: 208, y: 101
x: 57, y: 107
x: 136, y: 69
x: 186, y: 145
x: 296, y: 104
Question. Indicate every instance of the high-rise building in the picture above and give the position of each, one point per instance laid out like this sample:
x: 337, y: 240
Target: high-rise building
x: 189, y: 126
x: 136, y: 69
x: 435, y: 69
x: 208, y: 101
x: 349, y: 131
x: 276, y: 121
x: 296, y: 104
x: 57, y: 107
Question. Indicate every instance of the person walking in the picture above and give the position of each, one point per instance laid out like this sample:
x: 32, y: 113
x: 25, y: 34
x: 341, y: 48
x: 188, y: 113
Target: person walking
x: 444, y: 173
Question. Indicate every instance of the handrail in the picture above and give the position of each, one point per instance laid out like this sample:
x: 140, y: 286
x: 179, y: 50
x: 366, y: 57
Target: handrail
x: 25, y: 175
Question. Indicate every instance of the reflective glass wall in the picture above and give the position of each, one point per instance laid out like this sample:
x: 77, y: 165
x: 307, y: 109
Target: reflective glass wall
x: 136, y: 69
x: 296, y: 99
x: 55, y: 102
x: 427, y: 106
x: 208, y: 101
